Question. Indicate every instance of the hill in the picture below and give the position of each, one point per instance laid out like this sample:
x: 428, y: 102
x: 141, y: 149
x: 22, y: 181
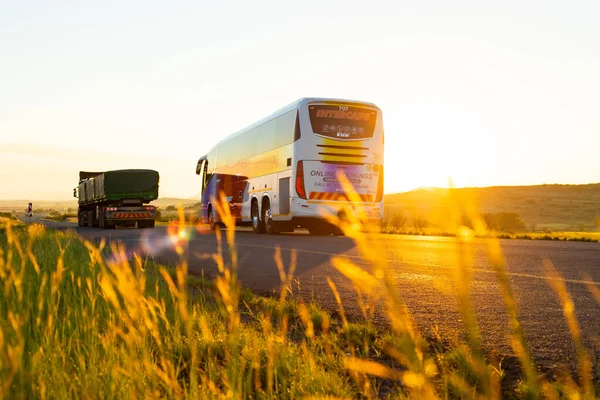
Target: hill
x: 552, y: 207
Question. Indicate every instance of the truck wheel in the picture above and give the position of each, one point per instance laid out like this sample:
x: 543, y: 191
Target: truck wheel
x: 104, y: 224
x: 95, y: 219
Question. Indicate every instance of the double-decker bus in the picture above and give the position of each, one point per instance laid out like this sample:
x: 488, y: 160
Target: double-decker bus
x: 281, y: 172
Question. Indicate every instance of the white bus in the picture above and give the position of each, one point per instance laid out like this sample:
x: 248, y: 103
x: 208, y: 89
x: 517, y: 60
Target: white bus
x: 281, y: 172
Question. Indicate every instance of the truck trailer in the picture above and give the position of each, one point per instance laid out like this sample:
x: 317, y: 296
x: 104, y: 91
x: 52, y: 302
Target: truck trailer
x: 117, y: 198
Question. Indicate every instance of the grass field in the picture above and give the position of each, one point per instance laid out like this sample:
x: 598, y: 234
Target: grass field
x: 80, y: 320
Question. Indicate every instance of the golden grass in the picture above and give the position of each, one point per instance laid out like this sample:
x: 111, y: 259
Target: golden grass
x: 565, y: 235
x: 86, y: 321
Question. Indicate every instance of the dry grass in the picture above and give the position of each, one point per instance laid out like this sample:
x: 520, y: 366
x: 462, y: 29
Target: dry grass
x: 80, y: 320
x: 396, y: 221
x: 574, y: 236
x: 61, y: 217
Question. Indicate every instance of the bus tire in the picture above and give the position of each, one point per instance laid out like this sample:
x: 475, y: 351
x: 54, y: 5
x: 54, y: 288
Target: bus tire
x: 258, y: 226
x: 270, y: 225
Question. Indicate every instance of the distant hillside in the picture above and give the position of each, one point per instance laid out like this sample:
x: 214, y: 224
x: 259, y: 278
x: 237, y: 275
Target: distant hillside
x: 556, y: 207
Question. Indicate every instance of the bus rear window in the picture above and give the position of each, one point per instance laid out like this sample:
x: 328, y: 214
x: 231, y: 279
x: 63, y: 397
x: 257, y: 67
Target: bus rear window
x: 342, y: 122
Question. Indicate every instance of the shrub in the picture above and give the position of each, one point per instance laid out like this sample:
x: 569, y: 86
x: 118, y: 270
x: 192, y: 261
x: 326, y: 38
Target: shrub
x: 419, y: 222
x: 394, y: 220
x: 8, y: 215
x: 504, y: 222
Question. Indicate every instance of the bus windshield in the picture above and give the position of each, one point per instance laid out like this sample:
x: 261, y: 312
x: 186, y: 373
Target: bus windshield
x: 342, y: 122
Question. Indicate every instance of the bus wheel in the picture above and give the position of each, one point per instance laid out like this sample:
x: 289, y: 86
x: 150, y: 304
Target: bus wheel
x: 258, y: 226
x: 270, y: 227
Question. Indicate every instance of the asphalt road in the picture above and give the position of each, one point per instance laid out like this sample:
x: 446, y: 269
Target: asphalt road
x: 424, y: 268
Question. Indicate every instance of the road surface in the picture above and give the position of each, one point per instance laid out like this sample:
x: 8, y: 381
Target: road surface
x: 424, y: 269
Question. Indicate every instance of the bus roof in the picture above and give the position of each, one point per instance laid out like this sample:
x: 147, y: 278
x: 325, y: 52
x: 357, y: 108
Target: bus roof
x: 296, y: 104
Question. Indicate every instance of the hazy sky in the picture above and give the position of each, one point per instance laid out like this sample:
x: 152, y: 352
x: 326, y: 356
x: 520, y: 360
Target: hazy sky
x: 488, y: 94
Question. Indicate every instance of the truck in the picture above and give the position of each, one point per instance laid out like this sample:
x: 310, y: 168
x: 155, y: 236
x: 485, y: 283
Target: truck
x: 117, y: 198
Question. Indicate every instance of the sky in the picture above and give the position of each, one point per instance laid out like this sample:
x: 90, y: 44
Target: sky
x: 485, y: 93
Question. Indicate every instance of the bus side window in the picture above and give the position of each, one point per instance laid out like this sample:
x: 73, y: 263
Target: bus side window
x: 221, y: 159
x: 250, y: 143
x: 266, y: 138
x: 237, y: 150
x: 285, y: 128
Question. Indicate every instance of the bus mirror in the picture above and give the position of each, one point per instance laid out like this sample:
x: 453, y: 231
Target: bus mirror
x: 201, y: 168
x: 74, y: 192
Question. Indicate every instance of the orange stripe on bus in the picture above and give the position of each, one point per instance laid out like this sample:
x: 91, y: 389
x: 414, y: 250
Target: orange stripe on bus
x: 366, y: 198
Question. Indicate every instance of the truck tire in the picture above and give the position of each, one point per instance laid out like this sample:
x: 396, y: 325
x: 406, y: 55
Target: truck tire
x: 95, y: 219
x: 104, y: 224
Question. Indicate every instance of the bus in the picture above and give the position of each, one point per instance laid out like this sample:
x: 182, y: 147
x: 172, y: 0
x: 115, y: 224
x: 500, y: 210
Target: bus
x: 281, y: 172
